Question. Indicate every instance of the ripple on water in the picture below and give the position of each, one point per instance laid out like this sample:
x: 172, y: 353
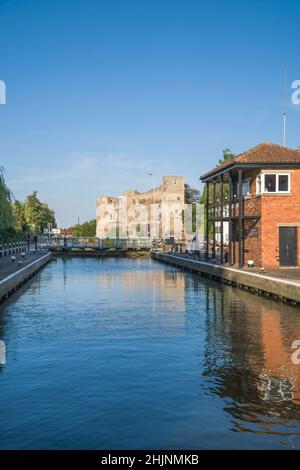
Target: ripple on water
x: 121, y: 353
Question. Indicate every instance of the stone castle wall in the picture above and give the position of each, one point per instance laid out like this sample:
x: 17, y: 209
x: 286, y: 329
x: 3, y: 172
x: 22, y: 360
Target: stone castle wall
x: 156, y: 213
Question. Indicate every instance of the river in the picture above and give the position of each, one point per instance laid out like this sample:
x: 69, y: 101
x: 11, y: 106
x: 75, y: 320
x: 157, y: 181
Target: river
x: 134, y: 354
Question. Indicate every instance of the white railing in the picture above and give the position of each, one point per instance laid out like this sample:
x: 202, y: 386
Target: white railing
x: 94, y: 243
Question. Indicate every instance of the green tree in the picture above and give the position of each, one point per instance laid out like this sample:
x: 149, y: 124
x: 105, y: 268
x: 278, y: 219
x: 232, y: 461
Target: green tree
x: 191, y: 195
x: 19, y: 217
x: 87, y: 229
x: 6, y: 213
x: 227, y: 155
x: 37, y: 214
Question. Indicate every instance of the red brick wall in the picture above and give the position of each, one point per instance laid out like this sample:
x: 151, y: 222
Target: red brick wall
x: 252, y: 244
x: 252, y: 206
x: 275, y: 210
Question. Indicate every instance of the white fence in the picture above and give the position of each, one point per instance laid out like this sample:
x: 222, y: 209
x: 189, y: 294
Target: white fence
x: 93, y: 243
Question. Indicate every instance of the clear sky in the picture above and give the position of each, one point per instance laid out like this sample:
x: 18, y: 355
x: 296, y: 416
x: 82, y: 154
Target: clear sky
x: 100, y: 93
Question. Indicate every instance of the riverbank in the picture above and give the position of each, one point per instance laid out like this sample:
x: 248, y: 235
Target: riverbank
x: 274, y: 284
x: 13, y: 274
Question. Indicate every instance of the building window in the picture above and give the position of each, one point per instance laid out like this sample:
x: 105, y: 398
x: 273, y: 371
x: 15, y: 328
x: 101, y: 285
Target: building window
x: 283, y: 183
x: 270, y: 184
x: 246, y: 188
x: 258, y: 185
x: 273, y: 183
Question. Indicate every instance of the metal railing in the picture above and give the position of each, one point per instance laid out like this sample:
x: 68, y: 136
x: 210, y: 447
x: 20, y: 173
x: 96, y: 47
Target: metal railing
x: 7, y: 249
x: 93, y: 243
x: 197, y: 253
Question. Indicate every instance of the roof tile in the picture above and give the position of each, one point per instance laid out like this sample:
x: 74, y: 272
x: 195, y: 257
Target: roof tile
x: 265, y: 152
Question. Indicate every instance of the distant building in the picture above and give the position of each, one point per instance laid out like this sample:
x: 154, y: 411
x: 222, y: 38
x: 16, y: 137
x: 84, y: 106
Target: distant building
x: 66, y: 232
x: 157, y: 213
x: 253, y: 210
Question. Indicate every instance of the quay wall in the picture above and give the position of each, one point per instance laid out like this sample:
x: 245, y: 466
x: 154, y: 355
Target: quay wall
x: 101, y: 253
x: 280, y: 289
x: 14, y: 281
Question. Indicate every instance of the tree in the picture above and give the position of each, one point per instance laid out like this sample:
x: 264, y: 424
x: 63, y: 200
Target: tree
x: 87, y: 229
x: 19, y: 217
x: 6, y: 213
x: 191, y: 195
x: 227, y: 155
x: 37, y: 214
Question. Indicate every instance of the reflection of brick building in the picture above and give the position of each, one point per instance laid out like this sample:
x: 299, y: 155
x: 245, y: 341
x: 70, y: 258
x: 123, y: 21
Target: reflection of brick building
x: 256, y: 198
x: 135, y: 215
x: 249, y: 355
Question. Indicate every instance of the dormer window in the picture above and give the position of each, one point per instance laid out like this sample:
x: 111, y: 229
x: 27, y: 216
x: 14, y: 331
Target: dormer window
x: 273, y: 183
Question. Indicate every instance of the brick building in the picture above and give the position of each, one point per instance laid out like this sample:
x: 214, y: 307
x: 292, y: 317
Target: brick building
x: 255, y: 200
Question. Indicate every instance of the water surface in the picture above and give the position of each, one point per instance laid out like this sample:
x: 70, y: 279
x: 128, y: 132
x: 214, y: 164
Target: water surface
x: 129, y: 354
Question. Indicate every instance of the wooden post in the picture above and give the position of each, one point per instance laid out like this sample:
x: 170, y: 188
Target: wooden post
x: 214, y: 222
x: 240, y: 195
x: 221, y: 222
x: 229, y: 220
x: 207, y: 220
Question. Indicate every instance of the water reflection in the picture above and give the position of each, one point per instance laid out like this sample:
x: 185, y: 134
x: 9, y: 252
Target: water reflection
x: 249, y: 356
x: 136, y: 354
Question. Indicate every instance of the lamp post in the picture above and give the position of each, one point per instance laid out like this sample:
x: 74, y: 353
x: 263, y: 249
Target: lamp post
x: 154, y: 211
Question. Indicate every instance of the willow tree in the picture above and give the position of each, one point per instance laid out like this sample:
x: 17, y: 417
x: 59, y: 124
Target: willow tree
x: 6, y: 213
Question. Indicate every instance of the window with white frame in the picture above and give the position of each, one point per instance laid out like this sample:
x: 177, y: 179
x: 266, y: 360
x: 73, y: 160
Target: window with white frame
x: 268, y: 183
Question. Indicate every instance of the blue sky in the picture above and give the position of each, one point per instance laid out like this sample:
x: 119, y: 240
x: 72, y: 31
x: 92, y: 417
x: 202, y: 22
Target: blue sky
x: 100, y: 93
